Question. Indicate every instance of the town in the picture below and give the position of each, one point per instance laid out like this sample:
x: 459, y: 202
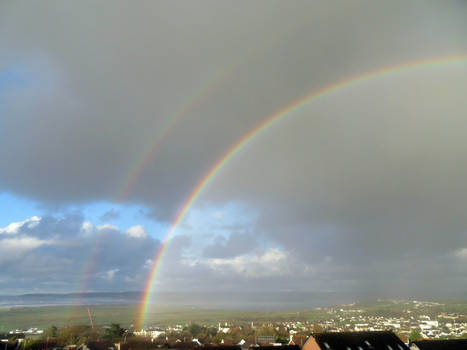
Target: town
x: 409, y: 321
x: 233, y: 175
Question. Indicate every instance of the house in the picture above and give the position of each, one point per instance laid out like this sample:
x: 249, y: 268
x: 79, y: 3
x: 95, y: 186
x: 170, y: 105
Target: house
x: 224, y: 330
x: 196, y: 341
x: 451, y: 344
x: 354, y: 341
x: 266, y: 339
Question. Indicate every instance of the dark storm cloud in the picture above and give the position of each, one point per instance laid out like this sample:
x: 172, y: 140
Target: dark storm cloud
x: 376, y: 185
x: 104, y: 81
x: 373, y: 184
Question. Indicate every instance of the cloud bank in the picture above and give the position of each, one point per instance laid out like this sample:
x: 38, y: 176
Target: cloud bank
x: 360, y: 191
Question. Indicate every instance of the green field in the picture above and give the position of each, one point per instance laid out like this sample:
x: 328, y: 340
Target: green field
x: 45, y: 316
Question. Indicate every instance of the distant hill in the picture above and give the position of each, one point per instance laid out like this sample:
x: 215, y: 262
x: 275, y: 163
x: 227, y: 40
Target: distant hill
x: 92, y: 298
x: 269, y: 301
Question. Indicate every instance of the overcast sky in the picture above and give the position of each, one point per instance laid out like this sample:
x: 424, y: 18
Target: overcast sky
x: 111, y: 114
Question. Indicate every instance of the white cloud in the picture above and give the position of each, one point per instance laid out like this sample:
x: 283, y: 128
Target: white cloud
x: 137, y: 231
x: 14, y: 227
x: 33, y: 222
x: 110, y: 274
x: 148, y: 264
x: 23, y: 243
x: 11, y: 248
x: 54, y: 254
x: 87, y: 227
x: 107, y: 227
x: 270, y: 262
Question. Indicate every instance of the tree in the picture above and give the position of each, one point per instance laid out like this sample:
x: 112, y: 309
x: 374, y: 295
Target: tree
x: 195, y: 329
x: 51, y: 332
x: 33, y: 344
x: 211, y: 331
x: 281, y: 339
x: 415, y: 335
x: 115, y: 331
x: 74, y: 334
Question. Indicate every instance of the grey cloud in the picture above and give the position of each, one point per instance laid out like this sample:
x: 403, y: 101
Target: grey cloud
x: 367, y: 182
x: 110, y: 215
x: 105, y: 86
x: 377, y: 183
x: 58, y: 251
x: 235, y: 244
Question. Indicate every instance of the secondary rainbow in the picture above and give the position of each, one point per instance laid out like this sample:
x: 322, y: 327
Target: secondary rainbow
x: 194, y: 101
x: 160, y: 137
x: 268, y: 122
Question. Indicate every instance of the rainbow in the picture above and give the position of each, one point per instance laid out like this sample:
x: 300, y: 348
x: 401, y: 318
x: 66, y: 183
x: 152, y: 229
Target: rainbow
x: 88, y: 270
x: 193, y: 102
x: 161, y: 136
x: 267, y: 123
x: 208, y: 88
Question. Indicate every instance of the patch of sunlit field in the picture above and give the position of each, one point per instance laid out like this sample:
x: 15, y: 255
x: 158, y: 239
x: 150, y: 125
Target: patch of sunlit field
x: 161, y: 315
x: 46, y: 316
